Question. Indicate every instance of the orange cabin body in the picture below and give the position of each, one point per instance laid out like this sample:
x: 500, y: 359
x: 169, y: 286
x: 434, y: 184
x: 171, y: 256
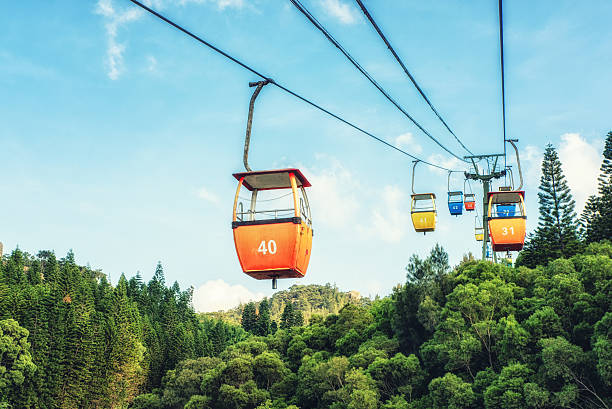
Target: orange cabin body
x: 507, y: 232
x: 280, y: 250
x: 273, y: 247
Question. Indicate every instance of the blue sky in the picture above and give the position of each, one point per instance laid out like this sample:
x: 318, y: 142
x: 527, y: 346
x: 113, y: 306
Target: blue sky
x: 119, y: 135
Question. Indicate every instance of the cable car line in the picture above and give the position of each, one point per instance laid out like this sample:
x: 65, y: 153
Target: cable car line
x: 401, y: 63
x: 326, y: 33
x: 287, y: 90
x: 503, y: 85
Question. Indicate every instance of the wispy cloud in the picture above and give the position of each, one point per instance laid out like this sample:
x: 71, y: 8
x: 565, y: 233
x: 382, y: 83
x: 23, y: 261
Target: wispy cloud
x: 339, y: 10
x: 333, y: 193
x: 215, y: 295
x: 531, y: 162
x: 207, y: 195
x: 114, y: 20
x: 446, y: 162
x: 221, y: 4
x: 581, y: 161
x: 152, y: 61
x: 390, y: 219
x: 407, y: 140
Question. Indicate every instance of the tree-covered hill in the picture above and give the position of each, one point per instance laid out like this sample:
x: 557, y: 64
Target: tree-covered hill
x: 309, y: 299
x: 481, y: 335
x: 69, y: 339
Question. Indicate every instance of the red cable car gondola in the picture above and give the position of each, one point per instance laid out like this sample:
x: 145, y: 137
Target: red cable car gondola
x: 469, y: 201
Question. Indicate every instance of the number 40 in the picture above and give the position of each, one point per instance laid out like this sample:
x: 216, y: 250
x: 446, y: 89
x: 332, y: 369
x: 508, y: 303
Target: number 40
x: 270, y: 248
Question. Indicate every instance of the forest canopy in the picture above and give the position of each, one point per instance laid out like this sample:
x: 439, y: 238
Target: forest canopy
x: 478, y: 335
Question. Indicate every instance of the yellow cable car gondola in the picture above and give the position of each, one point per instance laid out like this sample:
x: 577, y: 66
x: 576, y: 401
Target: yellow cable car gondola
x: 478, y: 229
x: 422, y: 209
x: 507, y: 229
x: 272, y: 239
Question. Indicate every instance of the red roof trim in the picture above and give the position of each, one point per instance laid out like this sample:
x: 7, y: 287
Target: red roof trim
x: 298, y: 174
x: 521, y: 192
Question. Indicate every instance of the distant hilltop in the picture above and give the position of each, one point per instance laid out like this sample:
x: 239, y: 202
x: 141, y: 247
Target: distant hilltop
x: 312, y: 299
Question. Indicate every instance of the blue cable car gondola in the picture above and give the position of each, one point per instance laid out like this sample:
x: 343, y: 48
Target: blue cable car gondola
x: 506, y: 210
x: 455, y: 200
x: 455, y: 203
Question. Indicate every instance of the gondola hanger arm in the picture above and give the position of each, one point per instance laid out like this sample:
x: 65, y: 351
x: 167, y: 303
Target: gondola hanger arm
x: 247, y: 139
x: 518, y: 161
x: 413, y: 170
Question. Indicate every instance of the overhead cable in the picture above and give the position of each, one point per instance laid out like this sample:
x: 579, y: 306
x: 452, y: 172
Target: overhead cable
x: 271, y: 81
x: 503, y: 86
x: 401, y: 63
x: 326, y: 33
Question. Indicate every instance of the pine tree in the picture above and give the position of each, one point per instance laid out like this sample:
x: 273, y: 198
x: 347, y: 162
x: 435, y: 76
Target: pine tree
x: 263, y: 318
x: 249, y: 317
x: 298, y: 318
x: 127, y: 351
x: 557, y: 232
x: 596, y: 219
x: 288, y: 316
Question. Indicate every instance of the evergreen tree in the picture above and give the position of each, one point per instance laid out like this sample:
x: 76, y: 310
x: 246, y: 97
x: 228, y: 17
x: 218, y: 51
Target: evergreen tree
x: 298, y: 318
x: 263, y: 318
x: 287, y: 318
x: 596, y: 219
x: 556, y: 235
x: 249, y: 317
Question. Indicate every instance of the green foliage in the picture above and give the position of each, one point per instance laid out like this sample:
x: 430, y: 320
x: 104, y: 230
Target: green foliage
x: 291, y: 317
x: 451, y: 392
x: 311, y: 300
x: 595, y: 220
x: 483, y: 335
x: 16, y: 366
x: 85, y: 343
x: 557, y: 233
x: 478, y: 336
x: 146, y: 401
x: 249, y: 317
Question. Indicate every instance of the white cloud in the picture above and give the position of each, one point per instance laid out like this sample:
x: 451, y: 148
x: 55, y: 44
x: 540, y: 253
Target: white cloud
x: 581, y: 161
x: 444, y: 161
x: 221, y: 4
x: 343, y: 12
x: 152, y: 63
x: 105, y: 8
x: 215, y: 295
x: 207, y: 195
x: 332, y: 195
x: 391, y: 220
x: 406, y: 140
x: 531, y: 164
x: 115, y: 19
